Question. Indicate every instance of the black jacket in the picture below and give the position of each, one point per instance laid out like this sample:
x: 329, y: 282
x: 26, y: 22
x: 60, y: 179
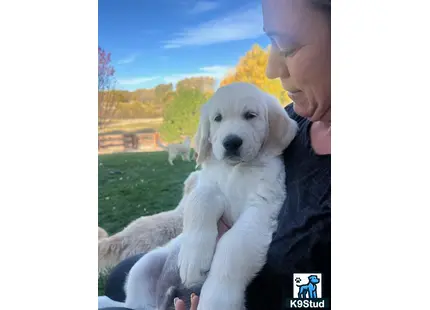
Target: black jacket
x: 302, y: 241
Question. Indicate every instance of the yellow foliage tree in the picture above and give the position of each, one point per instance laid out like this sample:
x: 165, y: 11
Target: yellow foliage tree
x: 252, y: 69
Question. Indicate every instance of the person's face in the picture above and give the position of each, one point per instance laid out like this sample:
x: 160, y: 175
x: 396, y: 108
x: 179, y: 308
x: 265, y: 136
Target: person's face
x: 300, y: 55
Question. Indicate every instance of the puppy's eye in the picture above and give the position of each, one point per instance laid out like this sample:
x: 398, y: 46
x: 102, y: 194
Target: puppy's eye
x: 249, y: 115
x: 218, y: 118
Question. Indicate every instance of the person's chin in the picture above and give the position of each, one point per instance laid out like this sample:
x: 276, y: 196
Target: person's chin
x: 300, y: 103
x: 302, y: 109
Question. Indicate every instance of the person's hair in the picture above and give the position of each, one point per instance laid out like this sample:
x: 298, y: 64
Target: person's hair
x: 322, y: 5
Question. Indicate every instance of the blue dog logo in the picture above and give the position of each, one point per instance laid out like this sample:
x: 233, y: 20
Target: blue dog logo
x: 308, y: 290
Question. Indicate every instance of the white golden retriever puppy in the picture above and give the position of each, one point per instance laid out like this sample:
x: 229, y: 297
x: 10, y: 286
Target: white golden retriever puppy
x: 242, y: 133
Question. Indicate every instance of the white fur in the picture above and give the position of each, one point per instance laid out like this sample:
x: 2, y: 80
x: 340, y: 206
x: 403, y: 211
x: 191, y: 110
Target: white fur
x: 102, y: 233
x: 176, y: 149
x: 141, y: 281
x: 247, y: 191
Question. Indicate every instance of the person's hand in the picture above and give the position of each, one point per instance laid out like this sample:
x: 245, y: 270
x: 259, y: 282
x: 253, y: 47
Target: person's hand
x: 180, y: 305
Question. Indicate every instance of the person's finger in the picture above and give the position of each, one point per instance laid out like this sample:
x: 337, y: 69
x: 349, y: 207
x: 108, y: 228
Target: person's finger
x: 179, y: 304
x: 194, y: 301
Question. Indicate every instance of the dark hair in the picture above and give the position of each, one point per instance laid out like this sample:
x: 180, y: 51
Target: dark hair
x: 322, y: 5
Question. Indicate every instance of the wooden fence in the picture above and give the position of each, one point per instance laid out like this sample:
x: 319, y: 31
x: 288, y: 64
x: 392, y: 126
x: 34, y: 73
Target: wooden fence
x: 128, y: 142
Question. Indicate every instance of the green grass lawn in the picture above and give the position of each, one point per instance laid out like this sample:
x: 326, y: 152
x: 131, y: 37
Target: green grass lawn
x: 136, y: 184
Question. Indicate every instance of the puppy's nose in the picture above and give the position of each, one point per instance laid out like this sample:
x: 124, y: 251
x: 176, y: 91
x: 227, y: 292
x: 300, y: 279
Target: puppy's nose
x: 232, y: 143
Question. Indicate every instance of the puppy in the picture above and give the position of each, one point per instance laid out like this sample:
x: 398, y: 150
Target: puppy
x: 176, y: 149
x: 242, y: 133
x: 145, y: 233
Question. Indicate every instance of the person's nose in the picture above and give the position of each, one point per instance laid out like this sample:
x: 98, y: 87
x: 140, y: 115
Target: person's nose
x: 276, y: 67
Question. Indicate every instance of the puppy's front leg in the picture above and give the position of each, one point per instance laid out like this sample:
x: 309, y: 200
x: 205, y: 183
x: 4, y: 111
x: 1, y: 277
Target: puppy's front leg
x: 203, y: 208
x: 239, y: 256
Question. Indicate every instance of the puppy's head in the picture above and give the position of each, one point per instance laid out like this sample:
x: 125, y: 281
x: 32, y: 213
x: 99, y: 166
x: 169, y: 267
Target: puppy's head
x: 240, y: 122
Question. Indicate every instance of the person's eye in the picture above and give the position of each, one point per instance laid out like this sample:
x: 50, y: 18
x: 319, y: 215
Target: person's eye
x: 284, y: 45
x: 288, y: 52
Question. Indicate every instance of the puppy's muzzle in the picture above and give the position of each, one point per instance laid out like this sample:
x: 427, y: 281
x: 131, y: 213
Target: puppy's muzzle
x: 232, y: 144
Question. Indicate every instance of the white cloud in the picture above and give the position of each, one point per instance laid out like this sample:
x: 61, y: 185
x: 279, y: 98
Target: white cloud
x: 204, y: 6
x: 216, y: 72
x: 169, y: 45
x: 127, y: 60
x: 136, y: 80
x: 246, y: 23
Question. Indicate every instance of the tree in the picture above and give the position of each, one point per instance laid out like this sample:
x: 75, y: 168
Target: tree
x: 122, y: 95
x: 252, y: 69
x: 203, y: 84
x: 181, y: 116
x: 143, y: 95
x: 163, y: 94
x: 106, y: 96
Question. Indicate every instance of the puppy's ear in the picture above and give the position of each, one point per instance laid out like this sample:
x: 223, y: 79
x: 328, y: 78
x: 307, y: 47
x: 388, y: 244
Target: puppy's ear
x: 201, y: 138
x: 281, y: 128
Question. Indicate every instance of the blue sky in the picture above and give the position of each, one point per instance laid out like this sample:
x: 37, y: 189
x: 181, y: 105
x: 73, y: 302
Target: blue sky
x: 163, y: 41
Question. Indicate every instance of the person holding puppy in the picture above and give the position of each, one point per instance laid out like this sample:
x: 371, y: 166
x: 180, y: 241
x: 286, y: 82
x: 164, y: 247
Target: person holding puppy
x: 300, y: 56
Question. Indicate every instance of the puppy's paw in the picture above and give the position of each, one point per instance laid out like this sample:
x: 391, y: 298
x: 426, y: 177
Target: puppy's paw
x: 216, y: 295
x: 195, y: 258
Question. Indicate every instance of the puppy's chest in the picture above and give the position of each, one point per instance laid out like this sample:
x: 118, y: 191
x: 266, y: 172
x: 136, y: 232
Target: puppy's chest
x: 238, y: 188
